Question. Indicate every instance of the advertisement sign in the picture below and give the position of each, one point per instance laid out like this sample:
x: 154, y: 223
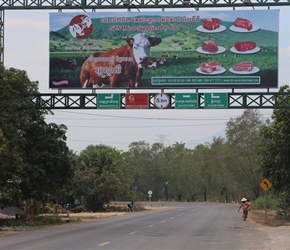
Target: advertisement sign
x: 153, y: 50
x: 137, y: 101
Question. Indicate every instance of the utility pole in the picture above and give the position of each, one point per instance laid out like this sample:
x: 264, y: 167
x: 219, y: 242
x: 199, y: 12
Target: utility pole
x: 162, y: 138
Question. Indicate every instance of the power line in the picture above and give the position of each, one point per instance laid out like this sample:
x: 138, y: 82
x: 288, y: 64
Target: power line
x: 144, y: 126
x: 154, y: 118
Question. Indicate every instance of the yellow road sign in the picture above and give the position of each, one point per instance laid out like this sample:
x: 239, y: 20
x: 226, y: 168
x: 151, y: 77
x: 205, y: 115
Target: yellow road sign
x: 266, y: 184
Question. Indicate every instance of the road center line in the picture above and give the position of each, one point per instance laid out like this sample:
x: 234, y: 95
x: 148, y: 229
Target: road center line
x: 133, y: 232
x: 163, y: 221
x: 195, y: 209
x: 105, y: 243
x: 151, y: 226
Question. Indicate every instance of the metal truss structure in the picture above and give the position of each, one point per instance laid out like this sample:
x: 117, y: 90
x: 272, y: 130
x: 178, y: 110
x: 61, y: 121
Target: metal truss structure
x: 89, y: 101
x: 260, y: 100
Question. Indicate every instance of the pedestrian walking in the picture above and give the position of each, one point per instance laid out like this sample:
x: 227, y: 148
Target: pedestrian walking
x: 246, y: 206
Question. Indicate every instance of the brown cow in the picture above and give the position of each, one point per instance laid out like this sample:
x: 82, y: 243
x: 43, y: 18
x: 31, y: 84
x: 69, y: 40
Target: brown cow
x: 119, y: 66
x: 155, y: 62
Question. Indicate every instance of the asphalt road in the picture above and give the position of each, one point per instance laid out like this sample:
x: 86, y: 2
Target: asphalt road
x: 186, y: 226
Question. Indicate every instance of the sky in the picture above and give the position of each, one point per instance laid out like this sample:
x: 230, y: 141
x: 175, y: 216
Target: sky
x: 26, y: 44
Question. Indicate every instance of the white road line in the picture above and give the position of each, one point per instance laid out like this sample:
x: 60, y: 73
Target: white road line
x: 105, y: 243
x: 178, y: 215
x: 133, y: 232
x: 196, y: 209
x: 171, y: 218
x: 151, y: 226
x: 163, y: 221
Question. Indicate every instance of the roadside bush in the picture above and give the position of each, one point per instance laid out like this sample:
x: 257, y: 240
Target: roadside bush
x: 123, y: 207
x: 284, y: 210
x: 46, y: 220
x: 272, y: 202
x: 77, y: 209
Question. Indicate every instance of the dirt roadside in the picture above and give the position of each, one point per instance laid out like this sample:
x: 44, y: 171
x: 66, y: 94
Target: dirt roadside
x: 276, y: 230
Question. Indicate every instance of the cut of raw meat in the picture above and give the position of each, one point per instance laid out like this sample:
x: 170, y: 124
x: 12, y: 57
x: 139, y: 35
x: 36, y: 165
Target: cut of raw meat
x: 244, y: 46
x: 244, y: 66
x: 210, y: 46
x: 209, y: 67
x: 243, y: 23
x: 211, y: 23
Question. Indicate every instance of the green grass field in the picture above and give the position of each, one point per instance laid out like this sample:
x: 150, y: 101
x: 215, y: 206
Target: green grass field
x: 185, y: 65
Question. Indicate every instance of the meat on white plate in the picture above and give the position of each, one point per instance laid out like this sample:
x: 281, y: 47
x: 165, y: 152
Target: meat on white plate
x: 245, y: 46
x: 209, y: 46
x: 209, y: 67
x: 244, y: 66
x: 243, y: 23
x: 211, y: 23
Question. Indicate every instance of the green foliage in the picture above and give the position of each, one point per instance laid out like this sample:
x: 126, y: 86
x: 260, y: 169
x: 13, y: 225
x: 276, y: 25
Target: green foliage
x: 100, y: 175
x: 45, y: 220
x: 37, y: 221
x: 185, y: 65
x: 272, y: 202
x: 243, y: 138
x: 148, y: 164
x: 274, y: 149
x: 33, y: 154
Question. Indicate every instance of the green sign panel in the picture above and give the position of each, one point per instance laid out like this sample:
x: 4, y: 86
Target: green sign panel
x: 215, y: 100
x: 186, y: 100
x: 191, y: 80
x: 108, y: 101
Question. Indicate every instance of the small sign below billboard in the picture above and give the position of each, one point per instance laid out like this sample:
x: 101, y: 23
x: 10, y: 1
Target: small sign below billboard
x: 161, y: 101
x: 186, y: 100
x: 137, y: 101
x: 215, y: 100
x: 108, y: 101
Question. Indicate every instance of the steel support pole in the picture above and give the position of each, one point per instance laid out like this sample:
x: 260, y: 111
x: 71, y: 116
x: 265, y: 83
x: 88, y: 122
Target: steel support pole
x: 2, y: 36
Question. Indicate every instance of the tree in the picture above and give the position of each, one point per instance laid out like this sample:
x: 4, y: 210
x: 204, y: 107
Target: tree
x: 12, y: 119
x: 242, y: 134
x: 178, y: 158
x: 33, y: 154
x: 142, y: 160
x: 274, y: 150
x: 221, y: 180
x: 98, y: 175
x: 197, y: 176
x: 47, y: 167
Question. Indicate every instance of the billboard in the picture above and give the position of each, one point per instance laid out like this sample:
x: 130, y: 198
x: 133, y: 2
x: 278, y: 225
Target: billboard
x: 159, y: 50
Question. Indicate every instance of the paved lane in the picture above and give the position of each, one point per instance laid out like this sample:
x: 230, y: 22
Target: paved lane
x: 186, y: 226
